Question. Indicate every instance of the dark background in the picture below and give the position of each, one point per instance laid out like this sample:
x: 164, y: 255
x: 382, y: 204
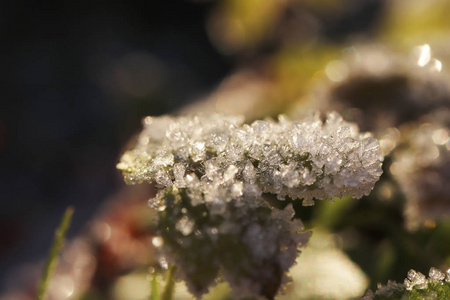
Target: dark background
x: 77, y: 77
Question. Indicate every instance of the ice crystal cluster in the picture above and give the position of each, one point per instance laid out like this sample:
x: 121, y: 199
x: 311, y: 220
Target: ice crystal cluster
x: 252, y: 248
x: 415, y: 286
x: 214, y: 174
x: 218, y: 158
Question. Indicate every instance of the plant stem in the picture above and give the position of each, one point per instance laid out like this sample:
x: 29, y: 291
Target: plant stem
x: 169, y: 288
x: 55, y: 249
x: 154, y: 295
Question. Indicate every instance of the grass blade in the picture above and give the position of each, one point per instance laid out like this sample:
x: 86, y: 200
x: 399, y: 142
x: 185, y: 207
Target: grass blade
x: 154, y: 294
x: 169, y: 288
x: 55, y: 249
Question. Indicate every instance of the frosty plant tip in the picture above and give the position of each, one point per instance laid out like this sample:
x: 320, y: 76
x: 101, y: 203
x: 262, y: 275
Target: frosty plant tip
x: 215, y: 173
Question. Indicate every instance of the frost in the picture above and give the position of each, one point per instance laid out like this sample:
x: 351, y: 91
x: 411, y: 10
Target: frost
x: 307, y: 160
x: 391, y: 289
x: 415, y: 286
x: 415, y: 280
x: 252, y: 247
x: 436, y: 275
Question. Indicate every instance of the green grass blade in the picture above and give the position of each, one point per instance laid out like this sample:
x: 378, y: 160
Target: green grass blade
x: 55, y: 249
x: 154, y: 295
x: 169, y: 288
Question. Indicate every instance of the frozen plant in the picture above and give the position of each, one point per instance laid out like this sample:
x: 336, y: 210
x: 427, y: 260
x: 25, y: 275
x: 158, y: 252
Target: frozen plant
x: 415, y: 286
x: 309, y: 159
x: 215, y: 176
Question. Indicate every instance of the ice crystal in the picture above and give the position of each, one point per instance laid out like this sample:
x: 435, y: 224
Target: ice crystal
x: 415, y: 286
x: 385, y: 291
x: 307, y: 160
x: 215, y: 174
x: 436, y: 275
x: 415, y: 280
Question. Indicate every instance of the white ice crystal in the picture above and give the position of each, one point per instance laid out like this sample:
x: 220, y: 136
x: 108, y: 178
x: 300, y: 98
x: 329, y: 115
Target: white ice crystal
x: 433, y: 287
x: 309, y: 159
x: 436, y: 275
x: 415, y: 280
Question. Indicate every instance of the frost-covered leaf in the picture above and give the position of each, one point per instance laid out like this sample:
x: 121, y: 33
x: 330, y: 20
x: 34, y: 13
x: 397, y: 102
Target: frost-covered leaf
x: 215, y: 174
x: 416, y: 286
x: 309, y: 159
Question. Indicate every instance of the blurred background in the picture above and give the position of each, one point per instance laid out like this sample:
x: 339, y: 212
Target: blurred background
x: 78, y: 79
x: 80, y: 76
